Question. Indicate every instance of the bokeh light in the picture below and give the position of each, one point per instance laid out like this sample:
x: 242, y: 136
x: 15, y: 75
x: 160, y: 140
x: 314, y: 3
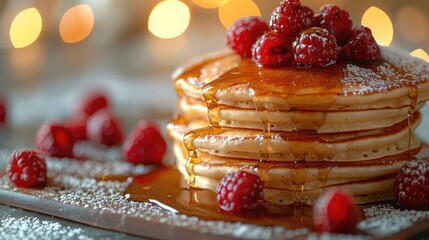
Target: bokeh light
x: 25, y: 28
x: 380, y: 24
x: 420, y: 53
x: 169, y: 19
x: 411, y: 23
x: 209, y: 3
x: 234, y: 9
x: 77, y: 23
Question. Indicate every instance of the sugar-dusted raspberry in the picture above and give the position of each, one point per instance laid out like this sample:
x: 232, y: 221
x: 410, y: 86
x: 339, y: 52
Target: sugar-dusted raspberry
x: 291, y: 17
x: 55, y: 140
x: 145, y: 144
x: 102, y: 127
x: 335, y: 212
x: 412, y: 185
x: 361, y: 46
x: 2, y: 111
x: 91, y: 102
x: 315, y: 47
x: 26, y: 168
x: 272, y: 48
x: 336, y: 21
x: 240, y: 191
x: 244, y: 32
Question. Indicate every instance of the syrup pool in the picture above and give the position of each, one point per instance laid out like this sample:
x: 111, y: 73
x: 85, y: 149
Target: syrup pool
x: 166, y: 187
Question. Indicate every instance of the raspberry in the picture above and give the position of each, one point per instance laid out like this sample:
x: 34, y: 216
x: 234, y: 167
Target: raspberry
x: 102, y: 127
x: 2, y: 112
x: 91, y: 103
x: 361, y: 46
x: 336, y: 21
x: 272, y: 48
x: 55, y: 140
x: 144, y: 144
x: 315, y: 47
x: 412, y: 185
x: 290, y: 18
x: 240, y: 191
x: 335, y: 212
x: 244, y: 33
x: 26, y: 168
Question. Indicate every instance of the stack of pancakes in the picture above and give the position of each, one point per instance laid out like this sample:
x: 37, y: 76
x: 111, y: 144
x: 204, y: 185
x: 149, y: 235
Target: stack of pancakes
x: 301, y: 130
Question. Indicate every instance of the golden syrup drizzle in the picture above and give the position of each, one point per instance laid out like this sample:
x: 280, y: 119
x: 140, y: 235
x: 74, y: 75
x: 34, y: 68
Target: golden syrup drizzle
x: 261, y: 136
x: 192, y: 151
x: 323, y: 175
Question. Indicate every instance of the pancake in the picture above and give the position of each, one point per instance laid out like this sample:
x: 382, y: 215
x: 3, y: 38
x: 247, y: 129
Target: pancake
x: 322, y: 121
x: 368, y: 183
x: 343, y: 86
x: 302, y: 130
x: 308, y: 146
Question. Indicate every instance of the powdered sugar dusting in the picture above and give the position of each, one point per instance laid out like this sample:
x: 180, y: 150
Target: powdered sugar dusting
x: 398, y: 70
x: 18, y: 228
x: 384, y: 220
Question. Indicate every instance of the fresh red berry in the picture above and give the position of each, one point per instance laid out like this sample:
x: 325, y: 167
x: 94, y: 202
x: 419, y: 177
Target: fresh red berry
x: 145, y: 144
x: 315, y: 47
x: 244, y: 32
x: 2, y: 112
x: 91, y: 102
x: 412, y: 185
x: 102, y: 127
x: 55, y: 140
x: 361, y: 46
x: 26, y: 168
x: 335, y: 212
x: 77, y: 128
x: 336, y: 21
x: 291, y: 17
x: 240, y: 191
x: 272, y: 48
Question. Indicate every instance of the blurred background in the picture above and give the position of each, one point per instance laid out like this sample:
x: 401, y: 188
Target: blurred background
x: 53, y: 50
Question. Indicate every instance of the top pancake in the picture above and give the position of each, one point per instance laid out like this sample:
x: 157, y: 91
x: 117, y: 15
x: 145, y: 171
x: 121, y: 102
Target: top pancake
x: 397, y: 80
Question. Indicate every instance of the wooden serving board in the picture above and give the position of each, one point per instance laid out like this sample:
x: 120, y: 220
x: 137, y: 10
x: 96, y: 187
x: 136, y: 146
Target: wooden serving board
x: 75, y: 192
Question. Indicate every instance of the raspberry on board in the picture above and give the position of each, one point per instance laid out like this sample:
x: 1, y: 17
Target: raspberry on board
x: 103, y: 128
x: 412, y: 185
x: 315, y: 47
x: 361, y: 46
x: 144, y: 144
x: 243, y: 33
x: 336, y: 21
x: 272, y: 48
x: 26, y: 168
x: 55, y: 140
x: 335, y: 212
x: 291, y: 17
x: 240, y: 191
x: 91, y: 102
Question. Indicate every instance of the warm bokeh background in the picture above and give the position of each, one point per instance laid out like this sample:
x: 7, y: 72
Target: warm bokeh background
x: 51, y: 50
